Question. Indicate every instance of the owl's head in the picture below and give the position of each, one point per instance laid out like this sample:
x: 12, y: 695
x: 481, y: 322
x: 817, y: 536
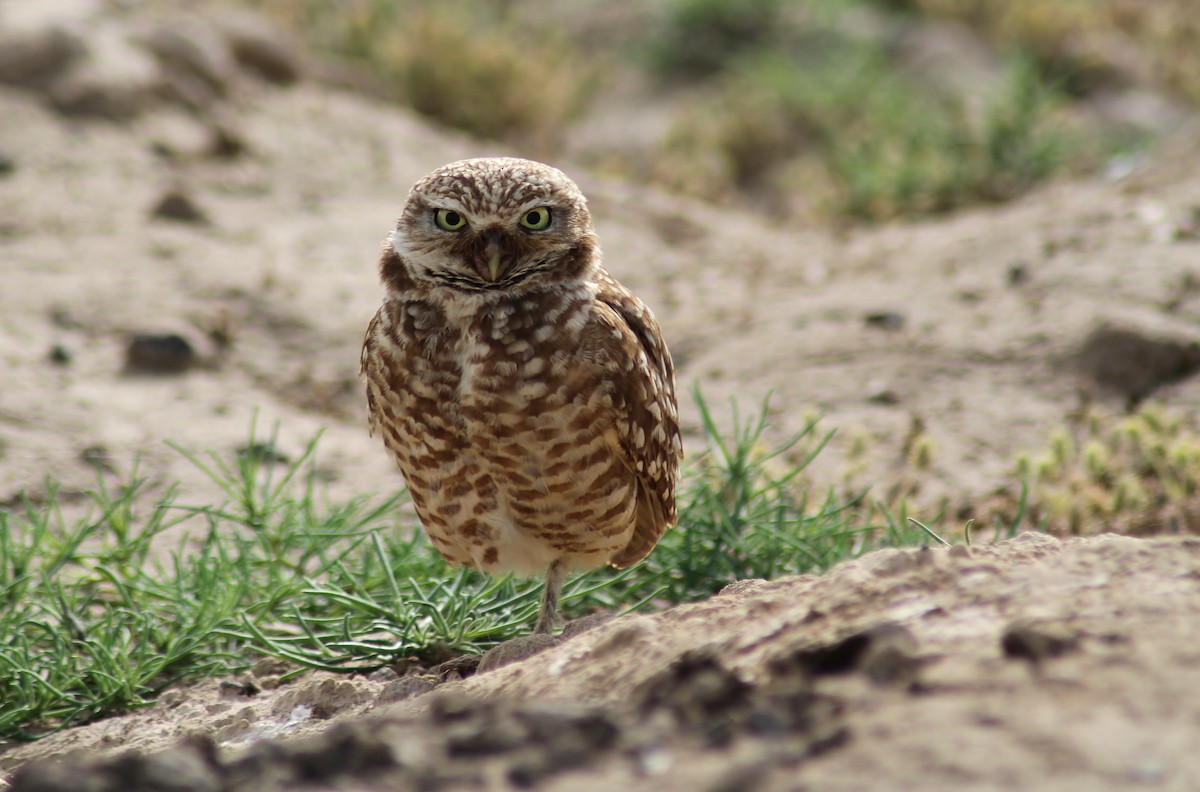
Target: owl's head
x: 495, y: 224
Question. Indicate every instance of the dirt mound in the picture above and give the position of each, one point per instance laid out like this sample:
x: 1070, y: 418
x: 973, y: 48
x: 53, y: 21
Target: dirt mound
x: 1031, y: 664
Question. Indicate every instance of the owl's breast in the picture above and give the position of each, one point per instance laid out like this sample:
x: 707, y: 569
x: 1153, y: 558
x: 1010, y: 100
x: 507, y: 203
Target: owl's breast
x: 508, y: 439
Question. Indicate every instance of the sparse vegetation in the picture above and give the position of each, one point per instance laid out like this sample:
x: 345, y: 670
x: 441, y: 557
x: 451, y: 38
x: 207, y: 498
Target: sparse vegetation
x: 1136, y: 473
x: 104, y: 613
x: 799, y: 107
x: 858, y: 136
x: 466, y: 64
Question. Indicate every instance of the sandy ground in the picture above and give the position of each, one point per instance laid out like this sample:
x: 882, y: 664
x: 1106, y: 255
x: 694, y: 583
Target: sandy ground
x: 978, y: 331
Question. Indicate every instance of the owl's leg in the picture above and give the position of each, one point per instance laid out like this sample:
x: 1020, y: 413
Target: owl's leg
x: 548, y: 615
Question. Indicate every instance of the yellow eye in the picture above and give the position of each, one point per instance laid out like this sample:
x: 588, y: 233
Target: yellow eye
x: 449, y: 220
x: 536, y: 219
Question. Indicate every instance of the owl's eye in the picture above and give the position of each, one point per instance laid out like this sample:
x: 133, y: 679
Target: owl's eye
x: 448, y: 219
x: 536, y: 219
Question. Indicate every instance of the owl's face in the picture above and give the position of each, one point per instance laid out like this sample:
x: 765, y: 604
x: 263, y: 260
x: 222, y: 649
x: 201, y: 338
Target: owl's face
x: 501, y: 224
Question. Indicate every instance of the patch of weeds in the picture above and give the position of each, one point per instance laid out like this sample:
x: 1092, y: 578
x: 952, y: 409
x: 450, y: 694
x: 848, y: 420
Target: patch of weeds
x: 1133, y: 474
x: 100, y: 615
x: 844, y: 127
x: 103, y: 614
x: 92, y: 626
x: 464, y: 63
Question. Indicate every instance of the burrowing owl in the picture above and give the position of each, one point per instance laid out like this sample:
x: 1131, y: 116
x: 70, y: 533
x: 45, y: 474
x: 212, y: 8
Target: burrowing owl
x: 527, y: 396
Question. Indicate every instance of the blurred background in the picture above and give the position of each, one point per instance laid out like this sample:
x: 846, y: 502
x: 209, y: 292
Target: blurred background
x: 807, y: 109
x: 957, y: 229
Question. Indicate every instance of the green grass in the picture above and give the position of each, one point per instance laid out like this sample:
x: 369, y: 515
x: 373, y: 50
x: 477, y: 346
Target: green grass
x: 839, y: 122
x: 103, y: 613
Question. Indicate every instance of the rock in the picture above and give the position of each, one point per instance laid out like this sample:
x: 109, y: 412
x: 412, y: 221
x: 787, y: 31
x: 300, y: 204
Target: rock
x: 1134, y: 363
x: 116, y: 81
x: 60, y: 355
x: 178, y: 205
x: 515, y: 650
x: 262, y: 47
x: 167, y: 353
x: 34, y: 59
x: 195, y: 60
x: 405, y: 688
x: 98, y: 457
x: 225, y: 143
x: 886, y: 396
x: 885, y: 320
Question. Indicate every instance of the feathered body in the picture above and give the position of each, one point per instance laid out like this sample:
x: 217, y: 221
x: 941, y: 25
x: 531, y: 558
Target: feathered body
x: 527, y: 396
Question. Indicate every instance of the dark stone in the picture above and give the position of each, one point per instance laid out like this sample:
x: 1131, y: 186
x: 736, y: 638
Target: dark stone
x: 179, y: 206
x: 191, y: 52
x: 103, y: 100
x: 239, y: 688
x: 1134, y: 364
x: 886, y: 397
x: 405, y: 688
x: 456, y: 667
x: 167, y: 353
x: 60, y: 355
x: 1035, y: 644
x: 263, y: 453
x: 263, y: 48
x: 98, y: 457
x: 885, y: 320
x: 225, y: 143
x: 35, y: 59
x: 514, y: 650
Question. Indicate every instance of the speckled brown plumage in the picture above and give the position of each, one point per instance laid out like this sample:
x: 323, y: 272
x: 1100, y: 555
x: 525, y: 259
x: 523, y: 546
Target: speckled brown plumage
x: 527, y: 396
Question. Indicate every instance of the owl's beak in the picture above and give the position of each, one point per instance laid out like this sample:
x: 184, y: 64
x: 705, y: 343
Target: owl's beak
x: 493, y: 251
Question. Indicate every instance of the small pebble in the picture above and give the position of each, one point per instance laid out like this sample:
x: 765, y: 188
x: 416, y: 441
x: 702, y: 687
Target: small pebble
x: 167, y: 353
x: 177, y: 205
x: 60, y: 355
x: 885, y: 320
x: 886, y: 397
